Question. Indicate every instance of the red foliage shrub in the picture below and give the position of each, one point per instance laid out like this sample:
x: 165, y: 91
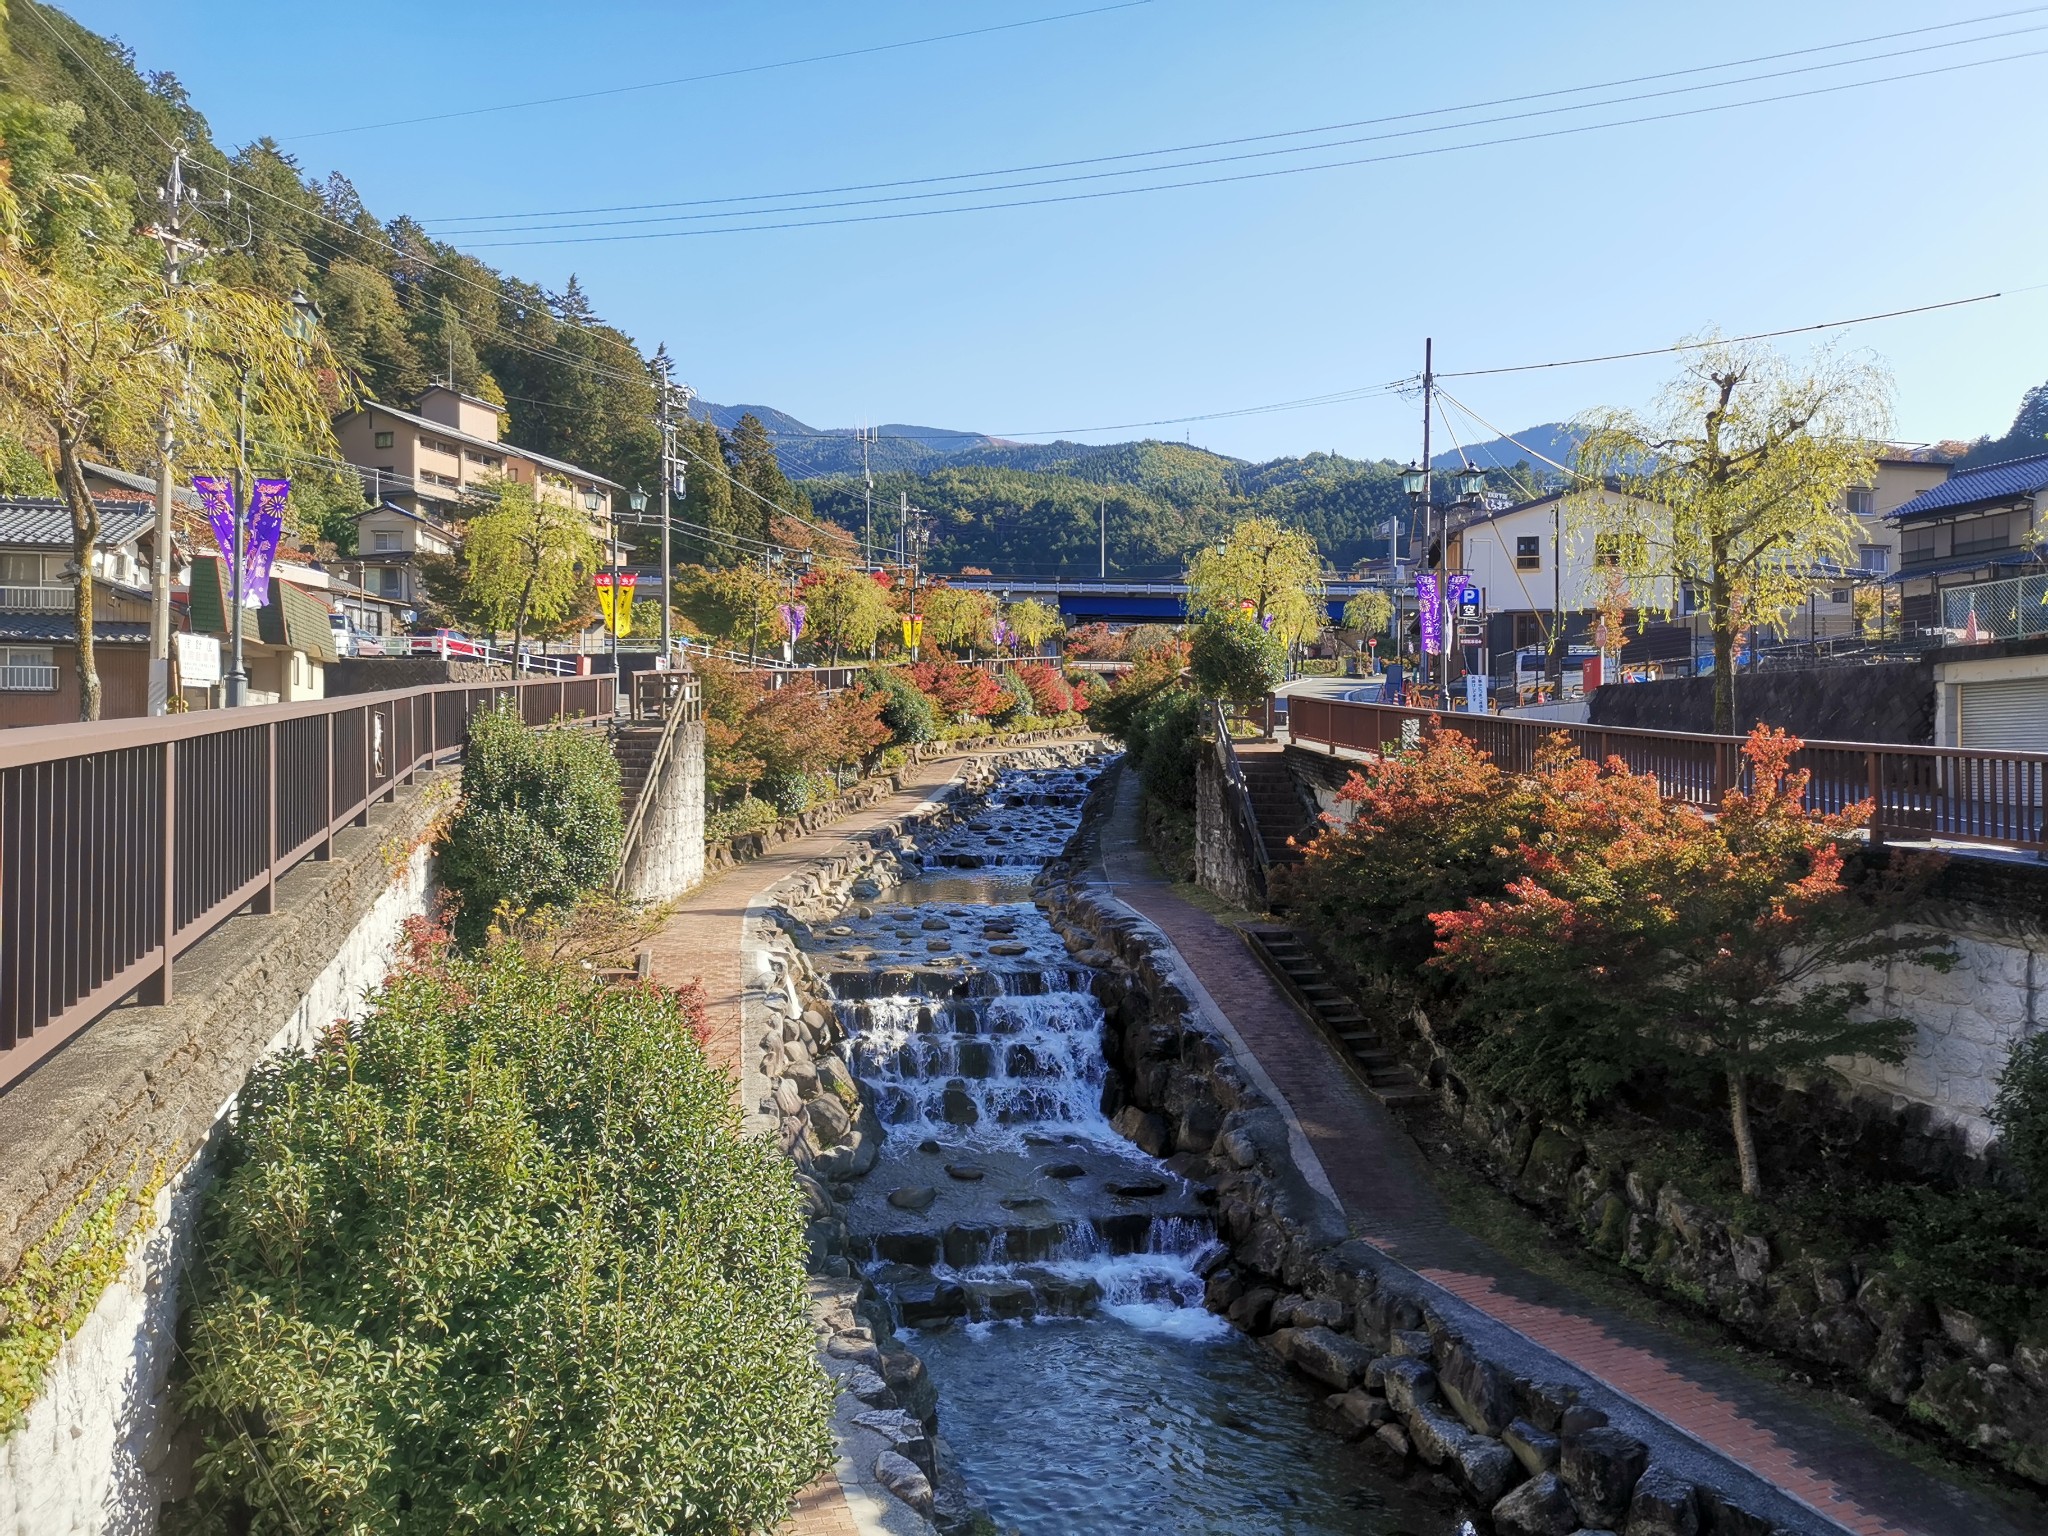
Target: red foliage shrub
x: 958, y: 689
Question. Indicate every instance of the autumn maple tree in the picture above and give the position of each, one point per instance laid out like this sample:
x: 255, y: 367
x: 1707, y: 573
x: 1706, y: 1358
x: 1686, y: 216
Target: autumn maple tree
x: 1713, y: 948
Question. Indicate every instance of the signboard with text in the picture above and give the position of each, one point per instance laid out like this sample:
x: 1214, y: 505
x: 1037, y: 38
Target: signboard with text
x: 1431, y: 613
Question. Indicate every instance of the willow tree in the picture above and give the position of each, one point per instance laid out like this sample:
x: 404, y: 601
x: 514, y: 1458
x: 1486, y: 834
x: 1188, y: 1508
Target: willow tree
x: 97, y: 344
x: 527, y: 558
x: 1272, y: 573
x: 1733, y: 486
x: 1033, y: 622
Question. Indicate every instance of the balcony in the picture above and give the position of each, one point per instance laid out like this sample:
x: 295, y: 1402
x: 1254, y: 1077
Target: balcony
x: 28, y: 677
x: 37, y: 599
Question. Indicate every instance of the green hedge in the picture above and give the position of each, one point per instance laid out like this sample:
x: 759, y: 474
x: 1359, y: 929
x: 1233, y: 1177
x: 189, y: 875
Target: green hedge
x: 500, y: 1261
x: 539, y: 822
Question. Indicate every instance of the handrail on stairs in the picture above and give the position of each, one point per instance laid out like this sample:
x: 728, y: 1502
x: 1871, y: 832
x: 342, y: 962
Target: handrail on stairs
x: 1240, y: 792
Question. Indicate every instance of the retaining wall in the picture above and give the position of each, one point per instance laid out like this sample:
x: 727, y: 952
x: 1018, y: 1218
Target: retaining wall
x: 137, y: 1100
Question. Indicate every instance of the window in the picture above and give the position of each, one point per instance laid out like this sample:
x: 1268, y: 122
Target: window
x: 1528, y: 557
x: 1984, y: 533
x: 21, y: 570
x: 1862, y: 501
x: 1876, y: 559
x: 28, y: 669
x: 1528, y: 630
x: 1606, y: 550
x: 384, y: 440
x: 386, y: 542
x: 1916, y: 544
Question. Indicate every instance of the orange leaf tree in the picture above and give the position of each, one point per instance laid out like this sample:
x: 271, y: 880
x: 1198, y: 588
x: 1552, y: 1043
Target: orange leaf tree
x: 1713, y: 948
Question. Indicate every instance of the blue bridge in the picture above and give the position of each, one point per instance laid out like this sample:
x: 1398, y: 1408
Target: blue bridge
x: 1116, y: 600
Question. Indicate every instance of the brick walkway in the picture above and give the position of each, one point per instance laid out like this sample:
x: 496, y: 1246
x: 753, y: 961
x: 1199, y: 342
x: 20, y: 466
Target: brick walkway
x: 701, y: 942
x: 1378, y: 1175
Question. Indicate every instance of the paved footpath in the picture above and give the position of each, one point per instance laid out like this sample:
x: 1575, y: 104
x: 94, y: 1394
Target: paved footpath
x: 1378, y: 1175
x: 702, y: 942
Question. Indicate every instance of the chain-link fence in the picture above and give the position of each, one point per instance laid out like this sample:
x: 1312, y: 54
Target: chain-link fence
x: 1997, y: 610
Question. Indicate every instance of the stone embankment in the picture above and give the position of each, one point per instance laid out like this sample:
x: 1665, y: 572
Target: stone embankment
x: 799, y: 1087
x: 1408, y: 1370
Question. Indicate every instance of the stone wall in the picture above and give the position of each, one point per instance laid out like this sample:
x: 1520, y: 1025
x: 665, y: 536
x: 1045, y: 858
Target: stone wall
x: 1224, y: 860
x: 377, y: 674
x: 148, y: 1088
x: 667, y: 858
x: 1886, y: 701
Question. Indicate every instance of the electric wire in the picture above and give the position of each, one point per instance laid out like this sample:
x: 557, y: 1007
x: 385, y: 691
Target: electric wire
x: 1053, y: 165
x: 1261, y: 154
x: 1429, y: 151
x: 720, y: 74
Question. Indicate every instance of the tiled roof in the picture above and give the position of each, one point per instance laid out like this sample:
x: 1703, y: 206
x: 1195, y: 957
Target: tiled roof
x: 58, y: 629
x: 443, y: 429
x: 1977, y: 487
x: 46, y: 522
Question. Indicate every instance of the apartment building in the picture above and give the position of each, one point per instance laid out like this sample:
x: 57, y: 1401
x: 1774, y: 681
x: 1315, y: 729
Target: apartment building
x: 39, y: 638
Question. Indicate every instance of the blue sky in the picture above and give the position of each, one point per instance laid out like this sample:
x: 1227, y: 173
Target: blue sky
x: 1211, y: 298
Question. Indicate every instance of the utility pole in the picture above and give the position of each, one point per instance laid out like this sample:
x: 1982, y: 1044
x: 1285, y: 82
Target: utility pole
x: 1429, y: 553
x: 1102, y: 535
x: 867, y: 552
x: 177, y: 199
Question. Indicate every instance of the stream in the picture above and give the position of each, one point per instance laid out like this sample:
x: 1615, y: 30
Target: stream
x: 1050, y: 1273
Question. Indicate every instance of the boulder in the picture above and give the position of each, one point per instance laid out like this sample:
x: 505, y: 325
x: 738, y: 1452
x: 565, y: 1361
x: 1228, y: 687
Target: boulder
x: 1329, y: 1357
x: 868, y: 1386
x: 1253, y: 1311
x: 830, y: 1122
x: 966, y: 1173
x: 1540, y: 1507
x: 1409, y: 1384
x: 927, y: 1302
x: 1483, y: 1467
x: 1411, y: 1344
x: 1361, y: 1412
x: 913, y: 1197
x: 1599, y: 1468
x: 1534, y: 1448
x: 1144, y: 1129
x: 802, y: 1076
x: 957, y: 1105
x: 907, y: 1378
x: 1664, y: 1504
x: 1000, y: 1299
x: 1478, y: 1392
x: 1394, y: 1438
x: 902, y: 1477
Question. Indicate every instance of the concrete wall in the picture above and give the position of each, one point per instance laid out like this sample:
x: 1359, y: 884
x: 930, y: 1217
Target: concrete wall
x: 1224, y: 860
x: 667, y: 859
x: 376, y: 674
x: 1889, y: 701
x: 99, y: 1449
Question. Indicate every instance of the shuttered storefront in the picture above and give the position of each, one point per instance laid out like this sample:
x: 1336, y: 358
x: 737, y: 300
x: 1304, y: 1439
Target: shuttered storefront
x: 2007, y: 716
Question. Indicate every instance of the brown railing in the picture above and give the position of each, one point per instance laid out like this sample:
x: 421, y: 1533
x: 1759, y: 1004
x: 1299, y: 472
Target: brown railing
x: 124, y: 842
x: 1951, y: 793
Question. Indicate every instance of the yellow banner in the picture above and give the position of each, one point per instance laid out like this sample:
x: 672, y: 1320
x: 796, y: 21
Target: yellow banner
x: 913, y: 631
x: 616, y: 601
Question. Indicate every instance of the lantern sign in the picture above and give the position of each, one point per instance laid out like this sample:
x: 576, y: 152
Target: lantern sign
x: 615, y: 598
x: 913, y: 631
x: 1431, y: 613
x: 792, y: 619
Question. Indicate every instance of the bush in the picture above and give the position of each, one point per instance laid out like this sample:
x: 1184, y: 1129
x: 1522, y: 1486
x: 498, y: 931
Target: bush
x: 907, y: 710
x: 539, y: 822
x: 499, y: 1260
x: 1234, y: 660
x: 789, y: 793
x: 2021, y: 1114
x: 1051, y: 693
x: 748, y: 815
x: 956, y: 689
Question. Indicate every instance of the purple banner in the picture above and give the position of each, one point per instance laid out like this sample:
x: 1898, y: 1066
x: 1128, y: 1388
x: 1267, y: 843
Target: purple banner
x: 1001, y: 632
x: 792, y: 618
x: 218, y: 497
x: 266, y: 528
x: 1431, y: 612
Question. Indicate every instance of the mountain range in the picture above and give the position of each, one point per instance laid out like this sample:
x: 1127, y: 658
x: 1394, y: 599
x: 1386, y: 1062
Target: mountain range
x: 812, y: 453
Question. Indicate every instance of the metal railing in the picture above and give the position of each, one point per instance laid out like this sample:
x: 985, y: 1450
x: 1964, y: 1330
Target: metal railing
x: 1242, y: 810
x: 38, y: 599
x: 1955, y: 794
x: 677, y: 698
x: 124, y: 842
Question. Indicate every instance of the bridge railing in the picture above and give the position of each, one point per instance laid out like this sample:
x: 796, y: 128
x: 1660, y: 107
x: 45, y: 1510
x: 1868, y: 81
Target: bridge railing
x: 1951, y: 794
x: 124, y: 842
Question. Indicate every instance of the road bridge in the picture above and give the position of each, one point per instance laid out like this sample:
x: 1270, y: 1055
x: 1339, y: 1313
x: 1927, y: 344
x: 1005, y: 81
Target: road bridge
x: 1125, y: 600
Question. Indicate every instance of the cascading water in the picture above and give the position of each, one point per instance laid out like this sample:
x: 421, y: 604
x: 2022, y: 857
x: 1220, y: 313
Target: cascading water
x: 1052, y: 1273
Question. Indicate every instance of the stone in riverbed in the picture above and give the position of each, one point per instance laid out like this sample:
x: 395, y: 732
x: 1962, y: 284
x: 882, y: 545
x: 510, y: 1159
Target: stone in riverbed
x: 1534, y: 1448
x: 1599, y: 1468
x: 1007, y: 949
x: 1361, y: 1411
x: 1540, y: 1507
x: 1063, y: 1170
x: 900, y: 1475
x: 1137, y: 1189
x: 929, y: 1146
x: 1000, y: 1298
x: 867, y: 1385
x: 957, y: 1104
x: 1146, y: 1130
x: 1664, y: 1504
x: 934, y: 925
x: 925, y: 1302
x: 1330, y: 1357
x: 913, y: 1197
x: 1023, y: 1202
x: 966, y: 1173
x: 829, y: 1120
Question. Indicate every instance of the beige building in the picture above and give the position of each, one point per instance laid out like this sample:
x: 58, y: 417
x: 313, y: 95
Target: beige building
x: 418, y: 467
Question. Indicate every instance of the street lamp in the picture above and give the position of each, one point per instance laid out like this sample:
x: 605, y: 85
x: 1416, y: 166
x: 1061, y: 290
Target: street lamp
x: 1468, y: 487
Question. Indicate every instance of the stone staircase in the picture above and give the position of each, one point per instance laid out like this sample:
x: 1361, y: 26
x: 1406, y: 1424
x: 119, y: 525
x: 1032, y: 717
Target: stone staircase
x: 1280, y: 950
x: 634, y: 746
x: 1277, y: 805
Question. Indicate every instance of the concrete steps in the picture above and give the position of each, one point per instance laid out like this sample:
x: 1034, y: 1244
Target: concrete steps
x: 1277, y: 805
x: 1281, y: 951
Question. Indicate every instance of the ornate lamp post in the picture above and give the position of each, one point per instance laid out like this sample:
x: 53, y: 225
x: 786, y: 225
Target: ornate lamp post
x: 1431, y: 584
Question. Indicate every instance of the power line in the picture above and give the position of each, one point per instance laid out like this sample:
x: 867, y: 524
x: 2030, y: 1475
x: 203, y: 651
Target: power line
x: 718, y: 74
x: 503, y: 227
x: 1370, y: 122
x: 1266, y: 175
